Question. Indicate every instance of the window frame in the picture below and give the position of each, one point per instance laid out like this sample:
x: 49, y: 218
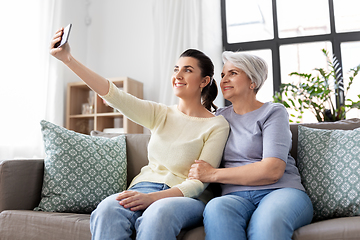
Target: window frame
x: 274, y: 44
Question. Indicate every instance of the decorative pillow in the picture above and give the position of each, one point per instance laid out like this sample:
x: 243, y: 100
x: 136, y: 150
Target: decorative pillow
x: 346, y: 124
x: 80, y: 170
x: 329, y: 165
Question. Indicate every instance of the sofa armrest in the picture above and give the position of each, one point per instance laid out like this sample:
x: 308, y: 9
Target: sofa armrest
x: 20, y: 184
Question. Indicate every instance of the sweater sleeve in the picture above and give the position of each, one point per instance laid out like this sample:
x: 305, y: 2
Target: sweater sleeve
x: 276, y: 134
x: 145, y: 113
x: 212, y: 153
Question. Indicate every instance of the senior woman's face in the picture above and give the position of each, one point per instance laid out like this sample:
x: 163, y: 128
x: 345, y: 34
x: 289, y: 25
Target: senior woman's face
x: 234, y: 82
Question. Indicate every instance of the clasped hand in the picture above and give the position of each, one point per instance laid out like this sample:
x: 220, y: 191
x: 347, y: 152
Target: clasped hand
x: 202, y: 171
x: 135, y: 201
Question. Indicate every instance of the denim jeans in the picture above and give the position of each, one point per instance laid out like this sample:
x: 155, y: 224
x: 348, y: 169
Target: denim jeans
x: 163, y: 219
x: 257, y: 215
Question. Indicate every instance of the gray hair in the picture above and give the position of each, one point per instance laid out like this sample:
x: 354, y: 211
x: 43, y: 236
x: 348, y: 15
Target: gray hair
x: 255, y: 67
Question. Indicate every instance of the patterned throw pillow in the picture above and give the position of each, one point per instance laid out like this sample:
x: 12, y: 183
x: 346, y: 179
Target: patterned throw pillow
x: 80, y: 170
x: 329, y: 165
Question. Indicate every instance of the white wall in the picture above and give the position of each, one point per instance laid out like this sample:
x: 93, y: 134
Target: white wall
x: 74, y: 12
x: 119, y: 40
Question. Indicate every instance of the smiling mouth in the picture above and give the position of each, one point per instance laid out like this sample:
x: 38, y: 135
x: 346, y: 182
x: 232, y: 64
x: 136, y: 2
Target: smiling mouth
x: 226, y: 88
x: 179, y: 84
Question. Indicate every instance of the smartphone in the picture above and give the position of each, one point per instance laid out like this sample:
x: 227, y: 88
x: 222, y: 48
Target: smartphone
x: 65, y: 36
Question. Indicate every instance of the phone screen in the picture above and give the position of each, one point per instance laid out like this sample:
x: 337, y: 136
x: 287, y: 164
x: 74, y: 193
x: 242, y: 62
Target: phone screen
x: 65, y: 35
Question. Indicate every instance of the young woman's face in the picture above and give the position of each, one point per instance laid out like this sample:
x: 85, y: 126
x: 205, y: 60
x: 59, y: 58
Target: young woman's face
x: 187, y: 80
x: 234, y: 82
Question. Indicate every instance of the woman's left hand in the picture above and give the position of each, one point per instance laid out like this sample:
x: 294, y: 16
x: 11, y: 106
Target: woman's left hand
x: 202, y: 171
x: 135, y: 200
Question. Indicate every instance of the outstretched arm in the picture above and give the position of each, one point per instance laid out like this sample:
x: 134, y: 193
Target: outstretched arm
x: 96, y: 82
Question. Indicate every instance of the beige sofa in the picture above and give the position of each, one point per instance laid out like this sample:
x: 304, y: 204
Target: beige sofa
x: 21, y: 182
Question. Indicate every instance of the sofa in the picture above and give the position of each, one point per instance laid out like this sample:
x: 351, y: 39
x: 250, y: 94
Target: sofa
x: 21, y: 184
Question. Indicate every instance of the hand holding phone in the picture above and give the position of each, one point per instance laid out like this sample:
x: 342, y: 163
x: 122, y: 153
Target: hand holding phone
x: 64, y: 37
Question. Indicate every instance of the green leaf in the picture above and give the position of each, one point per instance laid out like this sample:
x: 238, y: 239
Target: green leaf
x: 318, y: 91
x: 286, y: 104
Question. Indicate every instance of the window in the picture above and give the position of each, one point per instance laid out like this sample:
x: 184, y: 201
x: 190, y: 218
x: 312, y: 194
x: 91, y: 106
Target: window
x: 24, y: 76
x: 290, y: 34
x: 302, y: 57
x: 350, y: 55
x: 250, y: 24
x: 306, y: 19
x: 347, y: 15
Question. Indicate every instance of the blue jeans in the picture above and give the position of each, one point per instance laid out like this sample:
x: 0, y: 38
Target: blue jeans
x: 163, y: 219
x: 257, y: 215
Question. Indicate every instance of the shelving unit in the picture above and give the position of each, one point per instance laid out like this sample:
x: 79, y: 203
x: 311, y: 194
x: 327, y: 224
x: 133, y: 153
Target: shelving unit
x: 98, y: 116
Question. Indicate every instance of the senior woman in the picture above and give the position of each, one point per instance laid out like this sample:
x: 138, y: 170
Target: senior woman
x: 262, y: 195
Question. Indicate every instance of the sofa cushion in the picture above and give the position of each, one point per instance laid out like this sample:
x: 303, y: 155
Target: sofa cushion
x: 20, y: 179
x: 347, y: 124
x: 27, y: 224
x: 80, y: 170
x: 329, y: 165
x: 136, y: 151
x: 96, y: 133
x: 333, y: 229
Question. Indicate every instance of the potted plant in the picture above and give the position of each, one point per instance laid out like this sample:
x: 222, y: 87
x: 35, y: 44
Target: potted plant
x: 321, y: 94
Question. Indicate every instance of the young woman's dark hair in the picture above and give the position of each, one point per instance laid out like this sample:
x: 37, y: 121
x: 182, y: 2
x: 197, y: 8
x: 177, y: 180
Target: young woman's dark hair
x: 209, y: 92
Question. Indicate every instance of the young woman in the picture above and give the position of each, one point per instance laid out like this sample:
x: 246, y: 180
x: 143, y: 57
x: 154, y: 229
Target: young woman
x: 160, y: 200
x: 262, y: 196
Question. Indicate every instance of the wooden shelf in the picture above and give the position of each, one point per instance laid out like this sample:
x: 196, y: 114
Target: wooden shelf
x: 99, y: 116
x: 109, y: 114
x: 82, y: 116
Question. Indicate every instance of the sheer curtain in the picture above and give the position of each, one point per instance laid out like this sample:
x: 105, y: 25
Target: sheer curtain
x: 179, y: 25
x: 26, y: 81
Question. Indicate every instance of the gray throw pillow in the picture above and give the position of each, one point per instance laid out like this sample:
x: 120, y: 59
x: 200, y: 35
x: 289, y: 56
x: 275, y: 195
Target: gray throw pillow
x: 329, y: 165
x: 95, y: 133
x: 80, y: 170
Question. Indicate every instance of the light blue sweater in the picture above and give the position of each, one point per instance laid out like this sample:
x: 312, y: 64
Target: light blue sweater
x: 256, y: 135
